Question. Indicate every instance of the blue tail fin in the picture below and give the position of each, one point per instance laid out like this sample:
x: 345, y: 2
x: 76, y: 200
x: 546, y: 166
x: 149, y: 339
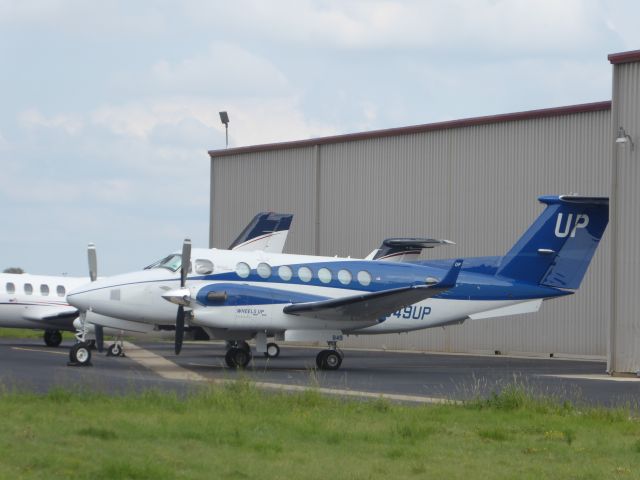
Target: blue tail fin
x: 557, y: 249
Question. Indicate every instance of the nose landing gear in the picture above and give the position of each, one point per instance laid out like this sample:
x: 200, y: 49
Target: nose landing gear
x: 80, y: 353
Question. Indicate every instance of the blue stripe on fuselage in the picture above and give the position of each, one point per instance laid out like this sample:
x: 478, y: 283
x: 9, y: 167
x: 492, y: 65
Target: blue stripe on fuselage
x: 388, y: 275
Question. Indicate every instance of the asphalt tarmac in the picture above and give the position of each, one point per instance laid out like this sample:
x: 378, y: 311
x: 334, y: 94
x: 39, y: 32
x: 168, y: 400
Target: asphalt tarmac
x: 28, y: 365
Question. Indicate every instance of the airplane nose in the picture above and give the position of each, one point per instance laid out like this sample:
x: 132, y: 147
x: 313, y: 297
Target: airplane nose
x: 80, y: 297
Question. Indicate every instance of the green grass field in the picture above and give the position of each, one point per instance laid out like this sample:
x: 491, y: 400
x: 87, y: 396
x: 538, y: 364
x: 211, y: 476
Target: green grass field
x: 28, y: 333
x: 237, y: 432
x: 20, y: 333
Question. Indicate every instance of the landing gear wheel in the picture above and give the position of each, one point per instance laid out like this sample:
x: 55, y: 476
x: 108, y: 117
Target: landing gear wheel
x: 52, y: 338
x: 273, y: 350
x: 237, y: 357
x: 328, y: 360
x: 320, y: 358
x: 243, y: 345
x: 115, y: 350
x: 80, y: 355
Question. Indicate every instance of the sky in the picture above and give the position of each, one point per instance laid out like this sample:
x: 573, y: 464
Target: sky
x: 108, y: 109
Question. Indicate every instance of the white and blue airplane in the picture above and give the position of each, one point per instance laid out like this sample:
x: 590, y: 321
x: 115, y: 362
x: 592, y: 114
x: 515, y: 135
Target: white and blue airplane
x: 257, y: 294
x: 39, y: 302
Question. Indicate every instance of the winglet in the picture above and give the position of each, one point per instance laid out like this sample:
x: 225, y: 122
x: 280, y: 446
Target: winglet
x: 450, y: 279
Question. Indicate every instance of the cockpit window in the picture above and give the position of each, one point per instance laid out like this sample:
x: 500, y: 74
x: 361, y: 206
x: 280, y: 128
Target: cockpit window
x: 171, y: 262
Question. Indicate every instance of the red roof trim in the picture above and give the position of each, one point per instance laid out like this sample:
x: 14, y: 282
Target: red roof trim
x: 624, y: 57
x: 430, y: 127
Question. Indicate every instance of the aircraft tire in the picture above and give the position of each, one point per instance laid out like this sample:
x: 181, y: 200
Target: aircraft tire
x: 114, y: 350
x: 320, y: 359
x: 329, y: 360
x: 243, y: 345
x: 273, y: 350
x: 80, y: 354
x: 52, y: 338
x: 237, y: 358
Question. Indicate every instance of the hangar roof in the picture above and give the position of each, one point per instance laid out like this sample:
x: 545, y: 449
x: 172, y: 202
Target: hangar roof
x: 429, y: 127
x: 624, y: 57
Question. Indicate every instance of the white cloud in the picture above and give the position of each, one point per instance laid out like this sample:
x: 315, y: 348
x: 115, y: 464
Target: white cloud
x: 471, y: 25
x: 72, y: 124
x: 252, y: 120
x: 223, y: 69
x: 78, y: 17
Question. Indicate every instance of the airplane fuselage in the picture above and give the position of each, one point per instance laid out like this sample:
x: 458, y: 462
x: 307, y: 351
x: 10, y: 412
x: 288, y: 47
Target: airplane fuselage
x: 37, y: 301
x: 248, y: 290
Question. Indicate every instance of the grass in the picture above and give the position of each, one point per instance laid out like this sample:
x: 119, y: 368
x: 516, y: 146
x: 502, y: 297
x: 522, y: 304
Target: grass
x: 237, y: 431
x: 29, y: 333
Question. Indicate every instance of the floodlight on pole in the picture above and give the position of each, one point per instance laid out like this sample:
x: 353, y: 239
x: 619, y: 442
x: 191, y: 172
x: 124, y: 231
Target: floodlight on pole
x: 224, y: 118
x: 624, y: 138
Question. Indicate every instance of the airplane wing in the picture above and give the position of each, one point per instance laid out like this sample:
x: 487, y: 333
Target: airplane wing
x: 41, y: 313
x: 374, y: 305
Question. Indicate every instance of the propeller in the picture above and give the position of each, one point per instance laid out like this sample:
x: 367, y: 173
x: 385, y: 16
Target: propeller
x: 93, y: 275
x: 184, y: 270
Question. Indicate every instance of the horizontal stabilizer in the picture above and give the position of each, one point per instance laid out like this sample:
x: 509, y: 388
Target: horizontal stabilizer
x: 371, y: 306
x: 404, y: 249
x: 517, y: 309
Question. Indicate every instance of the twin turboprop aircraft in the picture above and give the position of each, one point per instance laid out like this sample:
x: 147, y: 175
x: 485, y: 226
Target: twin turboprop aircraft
x: 237, y: 295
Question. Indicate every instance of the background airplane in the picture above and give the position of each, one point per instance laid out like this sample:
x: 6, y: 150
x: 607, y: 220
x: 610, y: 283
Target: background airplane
x: 39, y: 301
x: 243, y: 295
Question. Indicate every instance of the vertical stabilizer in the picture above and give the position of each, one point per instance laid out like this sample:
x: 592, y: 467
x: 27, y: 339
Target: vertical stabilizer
x: 267, y: 232
x: 558, y: 247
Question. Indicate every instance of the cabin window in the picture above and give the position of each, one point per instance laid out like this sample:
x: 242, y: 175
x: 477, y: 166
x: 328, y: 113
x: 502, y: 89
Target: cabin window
x: 204, y: 266
x: 28, y: 289
x: 11, y: 288
x: 264, y: 270
x: 305, y: 274
x: 324, y: 275
x: 344, y: 276
x: 285, y: 273
x: 44, y: 290
x: 60, y: 290
x: 364, y: 278
x: 243, y: 270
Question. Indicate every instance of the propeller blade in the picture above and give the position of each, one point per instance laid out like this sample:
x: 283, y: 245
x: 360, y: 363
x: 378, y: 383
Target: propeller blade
x: 186, y: 261
x: 179, y: 329
x: 99, y: 331
x: 93, y: 262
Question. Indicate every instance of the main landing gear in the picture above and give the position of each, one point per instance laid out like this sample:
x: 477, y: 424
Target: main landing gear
x: 237, y: 357
x: 329, y: 359
x: 52, y: 338
x: 273, y: 350
x: 239, y: 353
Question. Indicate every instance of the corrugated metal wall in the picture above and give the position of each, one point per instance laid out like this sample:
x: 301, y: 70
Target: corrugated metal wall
x: 624, y: 349
x: 475, y: 185
x: 279, y: 181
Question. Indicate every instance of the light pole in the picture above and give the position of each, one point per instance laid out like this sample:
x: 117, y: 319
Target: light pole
x: 224, y: 118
